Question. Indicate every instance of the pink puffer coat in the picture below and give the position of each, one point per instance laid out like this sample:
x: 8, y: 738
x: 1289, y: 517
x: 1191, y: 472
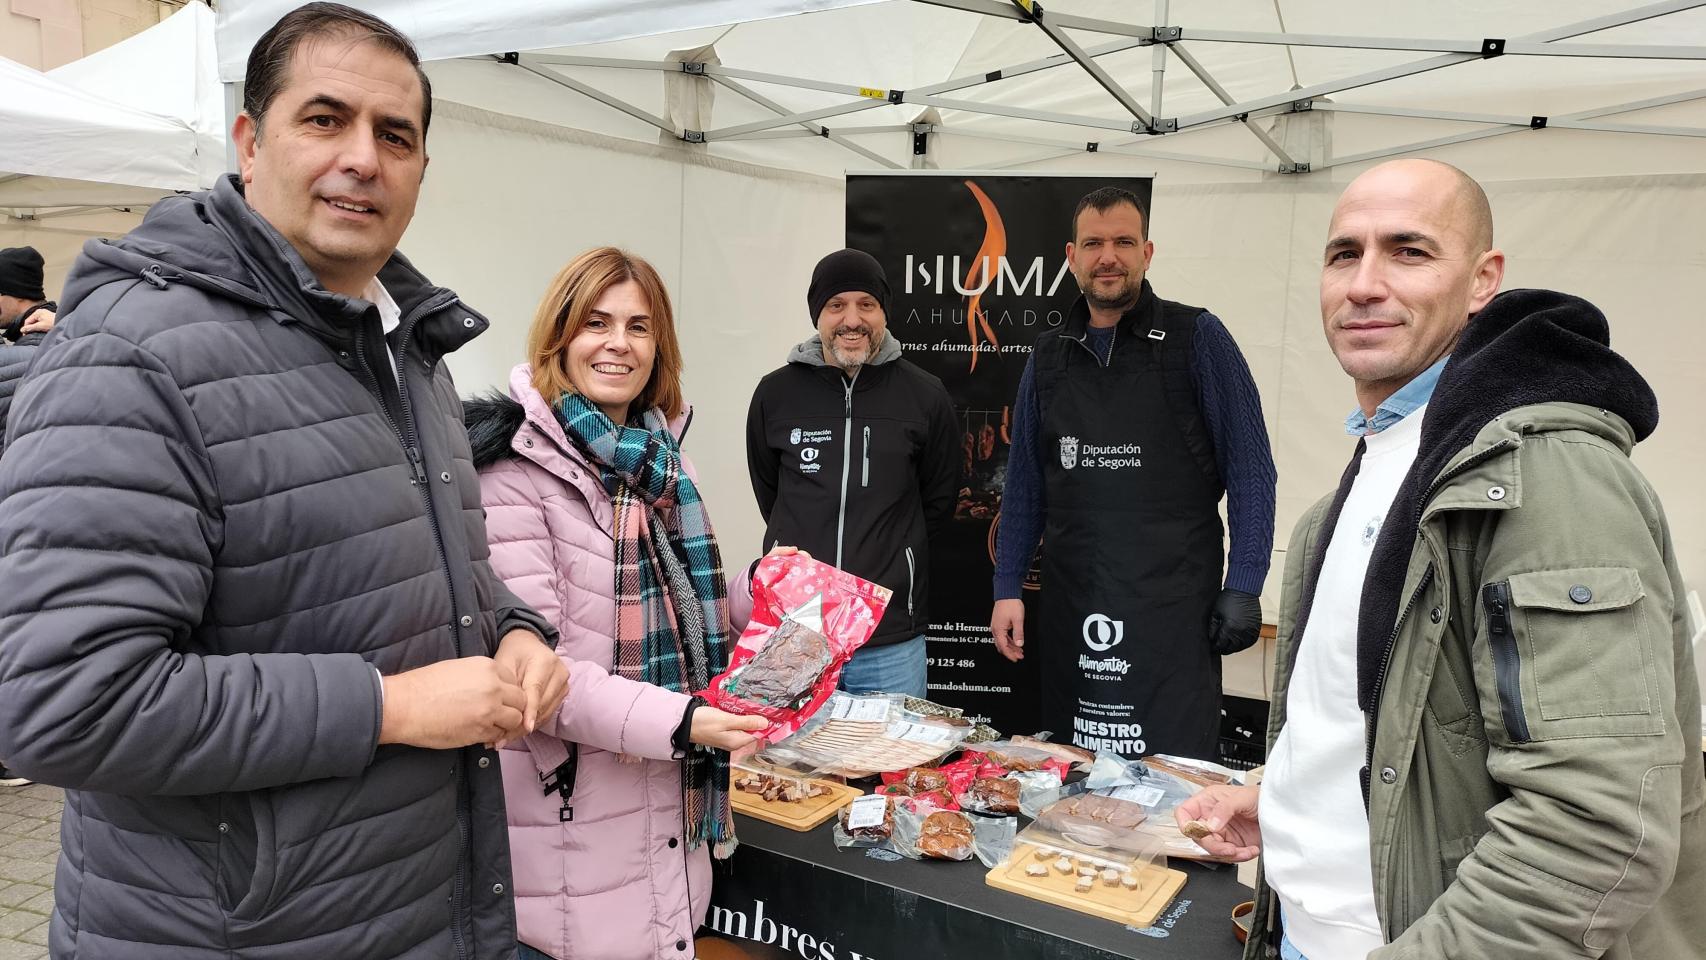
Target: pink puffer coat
x: 617, y: 882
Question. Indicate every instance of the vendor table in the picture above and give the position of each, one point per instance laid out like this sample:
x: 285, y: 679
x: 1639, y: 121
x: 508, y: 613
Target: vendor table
x: 794, y: 895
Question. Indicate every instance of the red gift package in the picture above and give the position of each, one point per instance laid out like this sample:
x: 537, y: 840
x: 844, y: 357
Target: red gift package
x: 807, y: 620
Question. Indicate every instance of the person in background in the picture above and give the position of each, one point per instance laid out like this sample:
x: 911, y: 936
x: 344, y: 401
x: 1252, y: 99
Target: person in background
x: 1480, y: 743
x: 1134, y: 419
x: 24, y: 306
x: 595, y: 520
x: 26, y: 316
x: 854, y: 454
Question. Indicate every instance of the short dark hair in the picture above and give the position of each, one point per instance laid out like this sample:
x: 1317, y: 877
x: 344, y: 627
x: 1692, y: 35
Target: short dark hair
x: 1106, y: 198
x: 269, y: 61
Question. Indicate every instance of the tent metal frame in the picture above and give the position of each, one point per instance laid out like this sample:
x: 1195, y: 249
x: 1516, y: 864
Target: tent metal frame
x: 1138, y: 124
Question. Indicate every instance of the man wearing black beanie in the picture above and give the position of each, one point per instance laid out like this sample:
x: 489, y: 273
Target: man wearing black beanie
x: 24, y: 307
x: 851, y: 450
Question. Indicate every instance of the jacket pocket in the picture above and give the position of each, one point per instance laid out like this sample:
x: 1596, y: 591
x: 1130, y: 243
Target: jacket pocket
x: 911, y: 579
x: 1586, y: 635
x: 1507, y: 659
x: 247, y: 865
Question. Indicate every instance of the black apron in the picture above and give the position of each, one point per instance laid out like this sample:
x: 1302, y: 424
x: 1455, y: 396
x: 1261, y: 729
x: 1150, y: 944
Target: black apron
x: 1132, y: 547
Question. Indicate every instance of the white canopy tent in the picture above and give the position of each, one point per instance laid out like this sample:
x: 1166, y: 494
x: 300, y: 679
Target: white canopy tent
x: 90, y: 145
x: 695, y: 133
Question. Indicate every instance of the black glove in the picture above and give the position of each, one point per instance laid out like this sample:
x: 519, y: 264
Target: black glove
x: 1236, y: 621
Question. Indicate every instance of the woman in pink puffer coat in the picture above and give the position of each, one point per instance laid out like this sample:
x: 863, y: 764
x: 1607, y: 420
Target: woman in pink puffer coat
x: 610, y: 861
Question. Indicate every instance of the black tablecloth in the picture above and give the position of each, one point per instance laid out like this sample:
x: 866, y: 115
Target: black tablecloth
x: 851, y: 906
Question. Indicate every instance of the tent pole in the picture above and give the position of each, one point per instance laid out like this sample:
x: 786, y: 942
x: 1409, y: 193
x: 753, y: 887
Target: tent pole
x: 1565, y: 122
x: 1045, y: 22
x: 1092, y: 147
x: 1067, y: 21
x: 1214, y: 86
x: 525, y: 62
x: 814, y: 128
x: 1021, y: 113
x: 1158, y: 63
x: 233, y: 106
x: 1506, y: 130
x: 1434, y: 63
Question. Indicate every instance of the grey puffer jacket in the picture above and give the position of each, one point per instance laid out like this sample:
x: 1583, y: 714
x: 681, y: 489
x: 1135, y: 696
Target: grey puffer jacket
x: 213, y: 530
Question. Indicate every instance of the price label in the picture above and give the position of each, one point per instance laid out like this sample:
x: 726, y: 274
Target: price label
x: 860, y: 709
x: 1136, y: 793
x: 921, y: 733
x: 867, y: 811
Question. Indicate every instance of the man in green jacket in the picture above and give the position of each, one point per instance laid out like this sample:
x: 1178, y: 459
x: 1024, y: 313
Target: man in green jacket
x: 1483, y: 738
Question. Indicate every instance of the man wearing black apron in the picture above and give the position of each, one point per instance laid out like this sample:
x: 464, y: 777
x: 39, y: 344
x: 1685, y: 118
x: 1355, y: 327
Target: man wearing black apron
x: 1134, y: 418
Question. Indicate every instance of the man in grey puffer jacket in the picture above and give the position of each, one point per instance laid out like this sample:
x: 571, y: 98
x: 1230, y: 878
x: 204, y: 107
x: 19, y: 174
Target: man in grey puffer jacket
x: 249, y: 621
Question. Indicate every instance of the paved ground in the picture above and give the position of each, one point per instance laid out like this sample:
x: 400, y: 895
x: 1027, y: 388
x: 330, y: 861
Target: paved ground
x: 29, y: 847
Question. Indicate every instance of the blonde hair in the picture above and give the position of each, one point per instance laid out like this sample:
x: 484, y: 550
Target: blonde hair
x: 564, y: 311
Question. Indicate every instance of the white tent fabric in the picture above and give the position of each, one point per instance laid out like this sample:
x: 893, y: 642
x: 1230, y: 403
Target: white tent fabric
x: 1572, y: 62
x: 88, y: 146
x: 536, y: 160
x: 169, y: 69
x: 54, y: 129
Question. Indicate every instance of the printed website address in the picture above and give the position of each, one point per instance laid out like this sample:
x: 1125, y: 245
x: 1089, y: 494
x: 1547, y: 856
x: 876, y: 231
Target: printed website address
x: 970, y: 688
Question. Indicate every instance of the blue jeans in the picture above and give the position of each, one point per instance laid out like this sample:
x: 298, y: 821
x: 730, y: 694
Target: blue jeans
x: 1287, y: 951
x: 525, y: 952
x: 892, y: 668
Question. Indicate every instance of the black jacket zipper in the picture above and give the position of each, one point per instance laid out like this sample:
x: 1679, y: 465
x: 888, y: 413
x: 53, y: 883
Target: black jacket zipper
x: 1507, y: 663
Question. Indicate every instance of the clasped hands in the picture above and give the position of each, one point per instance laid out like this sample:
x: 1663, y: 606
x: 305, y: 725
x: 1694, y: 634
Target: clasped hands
x: 492, y: 700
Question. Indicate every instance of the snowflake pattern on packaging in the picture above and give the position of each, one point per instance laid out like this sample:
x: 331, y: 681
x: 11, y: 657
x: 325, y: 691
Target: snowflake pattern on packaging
x: 808, y: 618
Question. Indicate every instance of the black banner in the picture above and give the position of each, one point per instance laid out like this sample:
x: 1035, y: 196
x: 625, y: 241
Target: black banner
x: 978, y: 267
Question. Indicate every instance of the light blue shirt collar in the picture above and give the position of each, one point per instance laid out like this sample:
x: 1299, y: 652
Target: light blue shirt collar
x: 1409, y: 398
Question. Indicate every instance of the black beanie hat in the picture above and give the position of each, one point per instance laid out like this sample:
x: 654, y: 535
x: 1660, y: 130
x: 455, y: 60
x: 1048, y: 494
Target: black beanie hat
x: 20, y: 273
x: 844, y: 271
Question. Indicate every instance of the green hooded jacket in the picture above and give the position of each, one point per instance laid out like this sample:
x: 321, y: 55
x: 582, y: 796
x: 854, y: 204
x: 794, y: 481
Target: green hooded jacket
x: 1534, y: 783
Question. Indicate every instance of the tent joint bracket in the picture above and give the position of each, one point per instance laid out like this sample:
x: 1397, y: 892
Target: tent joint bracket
x: 1168, y: 35
x: 512, y: 58
x: 897, y: 96
x: 1537, y: 123
x: 1302, y: 106
x: 693, y: 136
x: 693, y: 68
x: 1492, y: 47
x: 1294, y: 168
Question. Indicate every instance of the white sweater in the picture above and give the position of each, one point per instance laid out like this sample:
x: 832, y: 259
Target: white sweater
x: 1314, y: 828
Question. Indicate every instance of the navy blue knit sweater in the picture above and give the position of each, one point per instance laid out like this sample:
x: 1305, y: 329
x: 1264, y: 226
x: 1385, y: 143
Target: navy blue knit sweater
x: 1232, y: 409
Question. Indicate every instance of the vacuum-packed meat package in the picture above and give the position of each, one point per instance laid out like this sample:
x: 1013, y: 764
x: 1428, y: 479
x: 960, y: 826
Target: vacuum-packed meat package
x: 807, y: 620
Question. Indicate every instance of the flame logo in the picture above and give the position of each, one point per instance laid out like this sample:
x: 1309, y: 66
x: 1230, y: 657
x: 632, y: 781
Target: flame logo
x: 983, y: 267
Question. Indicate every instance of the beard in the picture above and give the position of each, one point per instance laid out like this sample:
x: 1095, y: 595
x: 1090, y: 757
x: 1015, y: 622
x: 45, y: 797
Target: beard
x: 1124, y: 299
x: 848, y: 359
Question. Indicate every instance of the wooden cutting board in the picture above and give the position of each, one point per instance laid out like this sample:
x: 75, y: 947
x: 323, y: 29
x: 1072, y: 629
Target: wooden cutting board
x: 1134, y: 908
x: 801, y: 815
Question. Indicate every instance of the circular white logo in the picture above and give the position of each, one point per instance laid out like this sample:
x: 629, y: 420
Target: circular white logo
x: 794, y: 436
x: 808, y: 455
x: 1101, y: 633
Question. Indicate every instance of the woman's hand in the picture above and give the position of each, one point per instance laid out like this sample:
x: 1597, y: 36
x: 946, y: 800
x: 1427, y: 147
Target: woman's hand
x: 723, y: 730
x: 782, y: 551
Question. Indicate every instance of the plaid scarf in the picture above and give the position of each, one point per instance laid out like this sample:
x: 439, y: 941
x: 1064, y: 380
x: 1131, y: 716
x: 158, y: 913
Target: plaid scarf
x: 672, y: 616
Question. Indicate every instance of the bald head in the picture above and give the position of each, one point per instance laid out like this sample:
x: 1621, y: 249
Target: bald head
x: 1409, y: 259
x: 1461, y: 200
